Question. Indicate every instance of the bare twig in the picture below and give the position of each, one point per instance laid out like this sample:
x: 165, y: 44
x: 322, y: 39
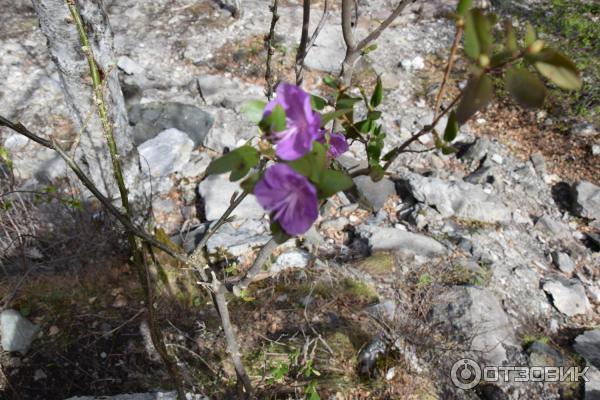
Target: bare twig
x: 353, y: 49
x: 233, y: 348
x: 269, y: 46
x: 260, y: 260
x: 449, y: 65
x: 305, y: 42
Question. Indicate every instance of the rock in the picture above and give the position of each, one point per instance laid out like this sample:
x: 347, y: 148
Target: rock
x: 129, y: 66
x: 290, y: 259
x: 229, y: 128
x: 592, y: 386
x: 587, y: 200
x: 238, y: 239
x: 416, y: 63
x: 459, y: 199
x: 166, y: 153
x: 563, y: 262
x: 552, y: 228
x: 152, y: 118
x: 216, y: 191
x: 584, y: 130
x: 16, y: 331
x: 38, y: 375
x: 596, y: 149
x: 375, y: 193
x: 196, y: 165
x: 475, y: 315
x: 541, y: 354
x: 568, y: 296
x: 539, y: 163
x: 588, y: 346
x: 142, y: 396
x: 328, y: 52
x: 386, y: 239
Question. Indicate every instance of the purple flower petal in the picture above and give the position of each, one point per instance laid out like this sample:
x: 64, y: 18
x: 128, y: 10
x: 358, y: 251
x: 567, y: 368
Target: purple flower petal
x: 338, y: 144
x: 290, y: 197
x: 303, y: 124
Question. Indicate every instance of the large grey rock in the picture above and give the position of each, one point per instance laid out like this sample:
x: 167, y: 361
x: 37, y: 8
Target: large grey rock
x: 475, y: 316
x: 375, y: 193
x: 458, y: 198
x: 592, y: 386
x: 142, y: 396
x: 588, y: 346
x: 329, y: 50
x: 166, y: 153
x: 16, y: 331
x: 568, y: 296
x: 552, y: 229
x: 238, y: 239
x: 563, y: 262
x: 587, y: 200
x: 386, y: 239
x: 217, y: 190
x: 150, y: 119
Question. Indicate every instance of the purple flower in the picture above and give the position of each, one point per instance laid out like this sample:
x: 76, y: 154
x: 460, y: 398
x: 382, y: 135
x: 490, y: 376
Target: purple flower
x: 290, y: 197
x: 303, y: 124
x: 337, y: 144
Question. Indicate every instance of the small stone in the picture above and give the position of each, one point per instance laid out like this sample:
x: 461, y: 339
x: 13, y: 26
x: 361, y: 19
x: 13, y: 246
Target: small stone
x: 120, y: 301
x: 166, y: 153
x: 596, y: 149
x: 53, y: 330
x: 129, y: 66
x: 386, y: 239
x: 584, y: 130
x: 375, y: 193
x: 103, y: 355
x: 568, y: 296
x: 38, y: 375
x: 563, y: 262
x: 291, y: 259
x: 587, y: 200
x: 16, y: 331
x: 497, y: 158
x: 390, y: 374
x: 588, y: 346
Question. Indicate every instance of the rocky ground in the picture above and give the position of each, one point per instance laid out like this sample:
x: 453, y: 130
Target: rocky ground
x: 491, y: 254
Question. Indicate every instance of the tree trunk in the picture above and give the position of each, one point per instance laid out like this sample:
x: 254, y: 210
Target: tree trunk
x: 66, y: 51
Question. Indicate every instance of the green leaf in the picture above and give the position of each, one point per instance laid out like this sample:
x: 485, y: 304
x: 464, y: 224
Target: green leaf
x: 511, y: 37
x: 477, y: 95
x: 330, y: 81
x: 330, y: 116
x: 254, y: 110
x: 345, y: 102
x: 463, y: 6
x: 250, y: 182
x: 312, y: 164
x: 5, y: 157
x: 443, y: 146
x: 238, y: 161
x: 278, y: 233
x: 377, y: 96
x: 557, y: 68
x: 377, y: 173
x: 276, y: 119
x: 478, y: 33
x: 501, y: 58
x: 318, y: 103
x: 530, y: 35
x: 374, y: 115
x: 364, y: 126
x: 525, y: 87
x: 333, y: 181
x: 369, y: 49
x: 451, y: 130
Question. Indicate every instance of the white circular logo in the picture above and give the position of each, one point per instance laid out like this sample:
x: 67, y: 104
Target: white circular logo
x: 465, y: 374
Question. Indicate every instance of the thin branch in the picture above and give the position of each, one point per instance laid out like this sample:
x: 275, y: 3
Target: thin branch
x: 377, y: 32
x: 233, y: 348
x: 449, y: 65
x: 319, y: 27
x: 301, y: 53
x: 269, y: 46
x: 262, y: 257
